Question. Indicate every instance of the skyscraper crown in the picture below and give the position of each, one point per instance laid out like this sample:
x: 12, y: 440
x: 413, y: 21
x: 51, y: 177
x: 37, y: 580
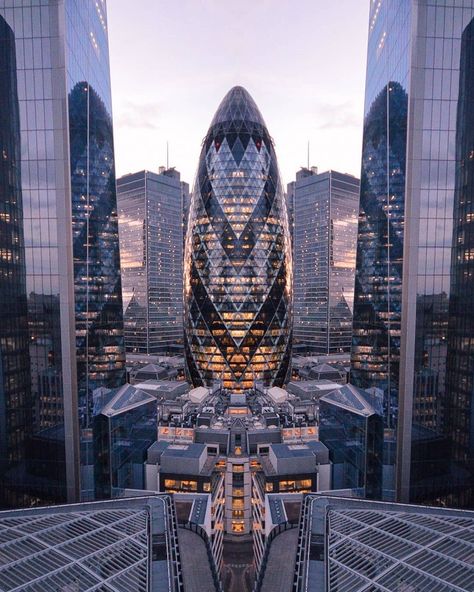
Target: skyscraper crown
x: 238, y: 105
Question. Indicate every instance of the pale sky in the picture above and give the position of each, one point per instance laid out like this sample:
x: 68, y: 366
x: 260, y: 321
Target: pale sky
x: 303, y: 61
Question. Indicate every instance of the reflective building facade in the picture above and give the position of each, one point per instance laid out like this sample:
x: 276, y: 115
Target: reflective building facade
x: 238, y: 255
x: 460, y: 362
x: 70, y: 232
x: 151, y: 250
x: 124, y: 427
x: 403, y: 277
x: 16, y: 413
x: 352, y: 430
x: 324, y: 210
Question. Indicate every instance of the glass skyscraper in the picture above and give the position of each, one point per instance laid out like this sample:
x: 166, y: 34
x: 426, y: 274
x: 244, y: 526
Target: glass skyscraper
x: 324, y: 210
x: 16, y: 409
x: 460, y: 361
x: 150, y: 209
x: 70, y: 240
x: 238, y: 255
x: 404, y: 264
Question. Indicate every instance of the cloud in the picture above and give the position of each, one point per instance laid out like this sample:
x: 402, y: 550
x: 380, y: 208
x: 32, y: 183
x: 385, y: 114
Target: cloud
x: 138, y: 115
x: 333, y: 115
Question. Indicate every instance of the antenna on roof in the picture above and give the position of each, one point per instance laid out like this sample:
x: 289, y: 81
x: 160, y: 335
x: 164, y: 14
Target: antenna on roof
x: 308, y: 155
x: 167, y: 155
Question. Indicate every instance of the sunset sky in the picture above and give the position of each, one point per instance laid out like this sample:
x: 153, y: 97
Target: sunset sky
x: 303, y: 61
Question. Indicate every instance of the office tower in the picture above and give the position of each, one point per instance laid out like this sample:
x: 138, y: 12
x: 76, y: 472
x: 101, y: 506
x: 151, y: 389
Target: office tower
x: 352, y: 429
x: 325, y: 210
x: 238, y: 256
x: 151, y: 250
x: 16, y: 413
x: 70, y: 237
x: 405, y: 237
x: 186, y: 203
x: 460, y: 345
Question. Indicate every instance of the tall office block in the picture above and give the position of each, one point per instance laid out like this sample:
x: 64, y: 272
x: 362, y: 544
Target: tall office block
x: 69, y: 235
x: 151, y: 249
x: 15, y: 389
x: 238, y: 269
x: 404, y: 263
x: 460, y: 343
x: 324, y: 210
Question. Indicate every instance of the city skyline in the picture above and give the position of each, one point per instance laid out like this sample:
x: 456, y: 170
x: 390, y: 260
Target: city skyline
x: 187, y: 54
x: 214, y: 376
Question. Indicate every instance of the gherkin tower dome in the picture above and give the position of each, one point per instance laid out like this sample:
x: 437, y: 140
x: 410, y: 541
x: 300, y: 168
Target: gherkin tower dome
x: 238, y: 269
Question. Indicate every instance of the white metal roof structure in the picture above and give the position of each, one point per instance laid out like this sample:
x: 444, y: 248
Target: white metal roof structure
x: 101, y: 546
x: 362, y: 546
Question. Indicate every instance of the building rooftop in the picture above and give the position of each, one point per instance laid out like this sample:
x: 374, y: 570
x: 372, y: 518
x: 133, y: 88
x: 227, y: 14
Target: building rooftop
x: 184, y: 450
x: 292, y: 450
x: 163, y: 387
x: 351, y: 398
x: 277, y: 509
x: 94, y: 546
x: 384, y: 547
x: 125, y: 398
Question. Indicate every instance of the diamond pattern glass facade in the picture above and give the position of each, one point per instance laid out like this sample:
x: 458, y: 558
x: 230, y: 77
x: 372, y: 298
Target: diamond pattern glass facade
x: 238, y: 268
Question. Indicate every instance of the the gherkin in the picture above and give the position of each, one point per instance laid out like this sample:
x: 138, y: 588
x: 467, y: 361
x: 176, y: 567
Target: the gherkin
x: 238, y: 277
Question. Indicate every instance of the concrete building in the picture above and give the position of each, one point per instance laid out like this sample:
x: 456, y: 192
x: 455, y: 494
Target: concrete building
x: 324, y: 210
x: 225, y: 443
x: 150, y: 213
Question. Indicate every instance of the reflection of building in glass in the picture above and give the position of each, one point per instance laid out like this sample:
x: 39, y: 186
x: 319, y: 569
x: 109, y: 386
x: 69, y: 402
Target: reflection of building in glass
x: 377, y: 302
x: 124, y: 428
x: 324, y: 210
x: 97, y: 287
x: 16, y: 414
x: 408, y: 167
x: 238, y: 255
x: 460, y: 367
x: 151, y: 249
x: 45, y: 340
x: 352, y: 430
x: 70, y: 232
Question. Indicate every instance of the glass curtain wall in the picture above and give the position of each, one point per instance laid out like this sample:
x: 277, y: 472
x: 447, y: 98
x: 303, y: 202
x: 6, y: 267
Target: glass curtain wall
x: 238, y: 274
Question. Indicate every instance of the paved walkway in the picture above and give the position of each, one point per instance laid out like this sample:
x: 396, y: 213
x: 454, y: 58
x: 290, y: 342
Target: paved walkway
x: 197, y: 576
x: 238, y: 571
x: 281, y: 562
